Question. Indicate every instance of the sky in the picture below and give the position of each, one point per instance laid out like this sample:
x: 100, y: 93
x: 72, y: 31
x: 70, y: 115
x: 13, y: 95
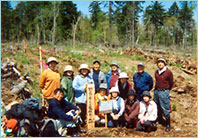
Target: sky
x: 83, y: 6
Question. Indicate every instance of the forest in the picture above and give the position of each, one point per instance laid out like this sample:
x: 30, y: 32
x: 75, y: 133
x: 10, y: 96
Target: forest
x: 59, y: 22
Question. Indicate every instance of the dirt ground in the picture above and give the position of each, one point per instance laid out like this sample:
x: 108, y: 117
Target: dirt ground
x: 183, y: 120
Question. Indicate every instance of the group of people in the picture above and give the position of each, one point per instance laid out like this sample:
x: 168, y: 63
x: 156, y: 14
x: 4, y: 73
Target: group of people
x: 132, y: 106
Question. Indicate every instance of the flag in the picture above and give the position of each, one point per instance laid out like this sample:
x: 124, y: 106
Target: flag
x: 46, y: 51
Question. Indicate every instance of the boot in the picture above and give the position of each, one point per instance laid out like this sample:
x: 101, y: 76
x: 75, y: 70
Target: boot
x: 80, y: 130
x: 168, y: 127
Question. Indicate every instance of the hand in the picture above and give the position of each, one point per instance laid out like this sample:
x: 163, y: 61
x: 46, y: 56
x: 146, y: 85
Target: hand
x: 77, y: 112
x: 117, y: 116
x: 74, y: 118
x: 86, y: 85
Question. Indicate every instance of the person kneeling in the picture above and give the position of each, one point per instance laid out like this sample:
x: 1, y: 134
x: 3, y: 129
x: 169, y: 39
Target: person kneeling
x: 65, y: 113
x: 148, y: 114
x: 116, y: 118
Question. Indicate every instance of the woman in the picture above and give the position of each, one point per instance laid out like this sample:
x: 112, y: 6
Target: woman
x: 49, y: 80
x: 66, y: 83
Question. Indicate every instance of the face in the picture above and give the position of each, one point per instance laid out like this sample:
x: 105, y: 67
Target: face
x: 131, y: 97
x: 114, y: 68
x: 140, y: 69
x: 84, y: 72
x: 114, y: 94
x: 146, y: 98
x: 69, y: 73
x: 96, y: 66
x: 123, y: 80
x: 52, y: 65
x: 102, y: 92
x: 160, y: 65
x: 58, y: 96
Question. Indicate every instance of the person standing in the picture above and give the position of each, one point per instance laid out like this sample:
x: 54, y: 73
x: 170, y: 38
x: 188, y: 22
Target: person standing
x: 79, y: 85
x: 49, y: 80
x: 123, y: 85
x: 97, y: 75
x: 164, y: 83
x: 142, y: 81
x: 113, y: 75
x: 66, y: 83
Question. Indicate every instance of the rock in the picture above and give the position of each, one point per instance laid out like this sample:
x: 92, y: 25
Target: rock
x: 178, y: 129
x: 180, y: 90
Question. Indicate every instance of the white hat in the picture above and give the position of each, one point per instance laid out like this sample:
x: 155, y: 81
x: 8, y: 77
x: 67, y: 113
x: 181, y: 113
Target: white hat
x: 114, y: 89
x: 141, y: 64
x: 123, y: 75
x: 50, y: 59
x: 68, y: 68
x: 84, y: 66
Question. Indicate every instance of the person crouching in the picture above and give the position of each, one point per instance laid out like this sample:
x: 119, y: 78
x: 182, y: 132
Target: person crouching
x: 100, y: 96
x: 132, y: 107
x: 65, y: 113
x: 148, y: 114
x: 116, y: 118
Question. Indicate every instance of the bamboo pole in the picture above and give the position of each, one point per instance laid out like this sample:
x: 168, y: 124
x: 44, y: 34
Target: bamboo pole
x: 40, y: 54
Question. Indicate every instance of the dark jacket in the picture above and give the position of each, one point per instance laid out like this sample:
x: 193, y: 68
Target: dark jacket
x: 131, y: 110
x: 57, y: 109
x: 164, y: 80
x: 142, y: 82
x: 123, y: 91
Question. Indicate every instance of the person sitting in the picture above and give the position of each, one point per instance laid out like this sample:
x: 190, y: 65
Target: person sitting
x: 116, y: 118
x: 123, y: 85
x: 132, y: 107
x: 66, y: 113
x: 100, y: 96
x: 148, y: 114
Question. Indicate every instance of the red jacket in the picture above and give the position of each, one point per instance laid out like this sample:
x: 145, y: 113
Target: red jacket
x: 131, y: 110
x: 164, y: 80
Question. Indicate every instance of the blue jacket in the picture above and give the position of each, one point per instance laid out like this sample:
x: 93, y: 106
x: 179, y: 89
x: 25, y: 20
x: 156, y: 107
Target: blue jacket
x: 57, y: 109
x: 142, y: 82
x: 108, y: 77
x: 78, y: 87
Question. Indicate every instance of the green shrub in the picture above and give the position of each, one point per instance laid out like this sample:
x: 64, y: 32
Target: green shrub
x: 174, y: 107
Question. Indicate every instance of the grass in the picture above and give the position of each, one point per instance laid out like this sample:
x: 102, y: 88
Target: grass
x: 20, y: 57
x: 174, y: 107
x: 137, y: 57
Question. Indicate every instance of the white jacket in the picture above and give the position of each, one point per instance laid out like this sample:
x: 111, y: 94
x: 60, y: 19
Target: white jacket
x: 151, y: 114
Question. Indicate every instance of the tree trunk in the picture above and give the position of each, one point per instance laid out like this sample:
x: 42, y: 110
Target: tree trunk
x: 38, y: 34
x: 133, y: 25
x: 56, y: 13
x: 74, y: 31
x: 110, y: 23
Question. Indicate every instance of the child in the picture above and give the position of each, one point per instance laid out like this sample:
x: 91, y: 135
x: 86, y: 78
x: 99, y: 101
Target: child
x: 148, y: 114
x: 116, y: 117
x: 66, y: 83
x: 132, y: 107
x: 100, y: 96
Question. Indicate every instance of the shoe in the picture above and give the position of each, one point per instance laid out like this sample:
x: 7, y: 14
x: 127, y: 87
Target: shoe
x: 168, y: 127
x: 75, y: 135
x: 81, y: 130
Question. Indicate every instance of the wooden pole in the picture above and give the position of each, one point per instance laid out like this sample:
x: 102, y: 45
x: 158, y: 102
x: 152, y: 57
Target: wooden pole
x: 105, y: 120
x: 40, y: 54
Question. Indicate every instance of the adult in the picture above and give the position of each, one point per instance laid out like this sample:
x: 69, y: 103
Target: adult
x: 79, y: 86
x: 148, y: 114
x: 142, y: 81
x: 97, y: 75
x: 123, y: 85
x: 132, y: 107
x: 100, y: 96
x: 49, y: 80
x: 66, y: 83
x: 164, y: 83
x: 113, y: 75
x: 116, y: 118
x: 66, y: 113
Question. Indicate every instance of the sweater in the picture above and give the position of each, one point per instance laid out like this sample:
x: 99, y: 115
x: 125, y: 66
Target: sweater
x: 131, y: 109
x: 57, y: 109
x: 164, y: 80
x: 49, y: 81
x: 66, y: 86
x: 123, y: 91
x: 78, y: 85
x: 111, y: 77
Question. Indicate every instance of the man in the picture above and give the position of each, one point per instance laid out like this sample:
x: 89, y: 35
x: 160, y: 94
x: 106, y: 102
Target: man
x: 113, y: 75
x: 65, y: 112
x: 142, y: 81
x: 164, y: 83
x: 97, y: 75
